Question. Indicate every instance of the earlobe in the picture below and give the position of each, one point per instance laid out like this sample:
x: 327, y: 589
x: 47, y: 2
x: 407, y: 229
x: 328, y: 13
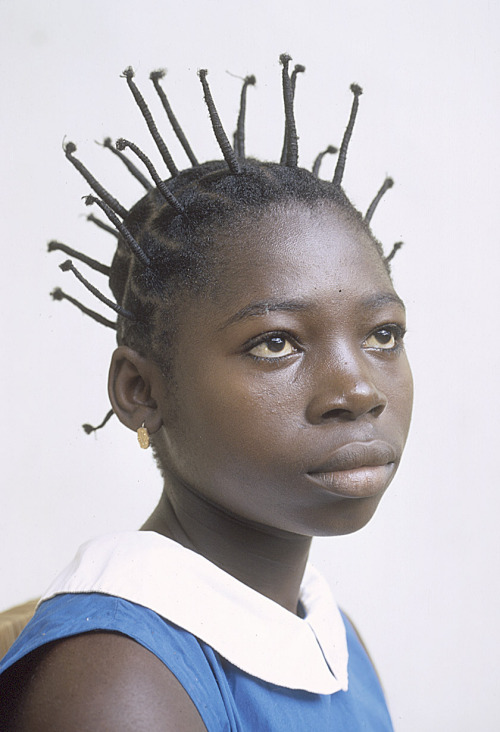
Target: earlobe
x: 130, y: 388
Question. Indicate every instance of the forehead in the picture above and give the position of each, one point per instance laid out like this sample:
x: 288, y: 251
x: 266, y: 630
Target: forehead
x: 300, y: 251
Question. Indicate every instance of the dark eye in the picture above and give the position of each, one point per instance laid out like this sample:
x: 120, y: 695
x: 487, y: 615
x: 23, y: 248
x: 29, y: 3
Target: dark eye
x: 386, y: 338
x: 273, y: 347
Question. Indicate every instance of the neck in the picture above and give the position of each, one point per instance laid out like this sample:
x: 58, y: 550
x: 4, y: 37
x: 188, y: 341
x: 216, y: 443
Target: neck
x: 266, y: 560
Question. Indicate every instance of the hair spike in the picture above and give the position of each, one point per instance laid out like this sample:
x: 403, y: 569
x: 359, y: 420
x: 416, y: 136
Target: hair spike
x: 70, y: 148
x: 239, y: 135
x: 58, y: 294
x: 89, y: 200
x: 290, y: 154
x: 339, y: 169
x: 68, y: 266
x: 121, y: 144
x: 155, y: 77
x: 57, y: 246
x: 397, y: 246
x: 129, y: 74
x: 108, y: 144
x: 330, y: 150
x: 89, y: 429
x: 298, y: 69
x: 222, y: 139
x: 388, y: 183
x: 103, y: 226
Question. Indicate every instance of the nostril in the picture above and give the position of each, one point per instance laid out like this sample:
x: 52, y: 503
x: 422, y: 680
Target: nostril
x: 338, y: 414
x: 350, y: 414
x: 377, y: 411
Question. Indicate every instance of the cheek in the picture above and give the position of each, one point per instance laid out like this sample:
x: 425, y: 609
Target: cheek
x: 401, y: 394
x: 225, y: 421
x: 246, y: 410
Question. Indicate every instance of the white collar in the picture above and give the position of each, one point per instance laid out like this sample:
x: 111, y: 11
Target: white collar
x: 248, y: 629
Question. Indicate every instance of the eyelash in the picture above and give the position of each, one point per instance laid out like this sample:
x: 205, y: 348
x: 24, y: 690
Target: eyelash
x: 397, y: 332
x: 267, y: 338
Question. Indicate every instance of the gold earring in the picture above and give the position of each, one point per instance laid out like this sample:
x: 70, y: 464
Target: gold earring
x: 143, y: 437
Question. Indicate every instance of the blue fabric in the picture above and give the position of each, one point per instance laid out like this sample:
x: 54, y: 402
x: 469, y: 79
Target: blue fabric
x: 226, y: 697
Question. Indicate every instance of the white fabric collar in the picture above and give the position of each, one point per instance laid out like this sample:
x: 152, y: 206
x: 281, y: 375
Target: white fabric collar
x: 248, y: 629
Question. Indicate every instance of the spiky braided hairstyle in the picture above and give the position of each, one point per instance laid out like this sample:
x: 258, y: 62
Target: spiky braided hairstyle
x: 164, y: 241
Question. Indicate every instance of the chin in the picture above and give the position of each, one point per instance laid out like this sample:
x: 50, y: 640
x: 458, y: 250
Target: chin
x: 347, y: 516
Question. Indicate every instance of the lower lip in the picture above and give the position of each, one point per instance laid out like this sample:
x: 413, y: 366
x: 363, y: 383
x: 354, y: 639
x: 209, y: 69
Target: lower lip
x: 364, y: 482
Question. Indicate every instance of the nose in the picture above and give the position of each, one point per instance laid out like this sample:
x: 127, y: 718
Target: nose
x: 346, y: 390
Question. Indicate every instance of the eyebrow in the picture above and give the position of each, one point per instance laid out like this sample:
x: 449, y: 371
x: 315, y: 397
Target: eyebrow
x: 383, y: 298
x: 267, y: 306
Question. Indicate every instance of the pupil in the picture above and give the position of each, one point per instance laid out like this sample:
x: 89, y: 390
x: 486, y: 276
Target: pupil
x: 275, y: 344
x: 384, y: 336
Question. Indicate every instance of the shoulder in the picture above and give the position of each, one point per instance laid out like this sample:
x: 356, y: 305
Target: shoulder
x: 98, y: 681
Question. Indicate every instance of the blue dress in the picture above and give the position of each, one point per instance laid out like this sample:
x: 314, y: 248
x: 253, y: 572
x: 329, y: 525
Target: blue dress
x: 226, y: 695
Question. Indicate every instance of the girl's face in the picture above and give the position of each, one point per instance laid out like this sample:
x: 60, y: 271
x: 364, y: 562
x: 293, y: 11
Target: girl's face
x: 290, y: 398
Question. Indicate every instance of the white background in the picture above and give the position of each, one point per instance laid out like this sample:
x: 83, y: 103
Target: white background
x: 422, y: 581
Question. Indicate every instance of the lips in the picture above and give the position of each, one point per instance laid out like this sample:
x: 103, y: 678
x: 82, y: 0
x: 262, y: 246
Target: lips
x: 358, y: 455
x: 357, y: 470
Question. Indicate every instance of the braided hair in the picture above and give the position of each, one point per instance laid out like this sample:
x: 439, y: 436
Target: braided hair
x: 165, y: 241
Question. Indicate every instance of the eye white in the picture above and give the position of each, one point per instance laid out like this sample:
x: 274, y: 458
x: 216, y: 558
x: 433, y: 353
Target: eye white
x: 273, y: 347
x: 384, y: 338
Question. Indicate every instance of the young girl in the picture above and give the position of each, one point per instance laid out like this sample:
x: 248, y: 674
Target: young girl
x: 260, y: 354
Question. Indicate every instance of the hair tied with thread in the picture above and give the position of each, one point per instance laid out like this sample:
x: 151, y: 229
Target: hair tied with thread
x: 172, y: 208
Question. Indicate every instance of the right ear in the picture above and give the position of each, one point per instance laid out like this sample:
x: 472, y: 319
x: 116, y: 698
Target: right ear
x: 130, y: 387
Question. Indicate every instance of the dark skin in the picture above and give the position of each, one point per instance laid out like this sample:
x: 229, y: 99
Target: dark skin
x: 284, y: 417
